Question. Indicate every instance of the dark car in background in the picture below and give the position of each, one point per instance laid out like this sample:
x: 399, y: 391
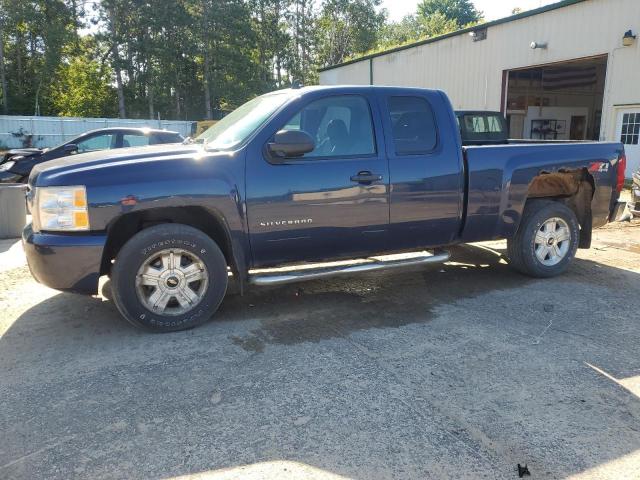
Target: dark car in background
x: 16, y: 164
x: 481, y: 127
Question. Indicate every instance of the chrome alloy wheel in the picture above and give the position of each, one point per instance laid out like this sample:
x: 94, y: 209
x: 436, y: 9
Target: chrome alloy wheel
x: 172, y: 282
x: 552, y: 241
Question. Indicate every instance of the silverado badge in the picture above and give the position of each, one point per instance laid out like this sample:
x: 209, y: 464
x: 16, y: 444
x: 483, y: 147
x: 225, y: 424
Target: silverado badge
x: 278, y: 223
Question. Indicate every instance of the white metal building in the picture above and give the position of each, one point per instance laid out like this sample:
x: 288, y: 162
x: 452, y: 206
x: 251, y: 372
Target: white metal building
x: 570, y: 70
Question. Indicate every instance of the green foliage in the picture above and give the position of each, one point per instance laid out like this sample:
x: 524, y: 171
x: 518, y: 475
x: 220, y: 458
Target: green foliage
x: 83, y: 88
x: 188, y: 59
x: 413, y: 28
x: 345, y: 28
x: 35, y: 34
x: 463, y: 12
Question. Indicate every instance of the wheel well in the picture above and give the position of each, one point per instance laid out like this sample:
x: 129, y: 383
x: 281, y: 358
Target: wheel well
x: 126, y: 226
x: 574, y: 188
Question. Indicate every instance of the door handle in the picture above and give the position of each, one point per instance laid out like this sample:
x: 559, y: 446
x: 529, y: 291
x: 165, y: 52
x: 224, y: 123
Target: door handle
x: 366, y: 177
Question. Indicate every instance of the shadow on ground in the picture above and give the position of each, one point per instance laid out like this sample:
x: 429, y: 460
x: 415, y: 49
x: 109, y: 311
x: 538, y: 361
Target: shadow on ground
x: 296, y: 313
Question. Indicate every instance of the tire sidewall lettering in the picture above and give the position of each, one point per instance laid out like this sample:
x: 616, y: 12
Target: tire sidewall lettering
x: 173, y: 242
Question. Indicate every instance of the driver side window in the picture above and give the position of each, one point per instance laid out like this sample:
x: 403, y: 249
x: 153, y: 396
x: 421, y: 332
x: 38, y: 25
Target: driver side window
x: 98, y: 142
x: 341, y: 126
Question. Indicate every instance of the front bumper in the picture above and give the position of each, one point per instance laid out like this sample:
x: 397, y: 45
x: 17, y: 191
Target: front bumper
x: 64, y: 262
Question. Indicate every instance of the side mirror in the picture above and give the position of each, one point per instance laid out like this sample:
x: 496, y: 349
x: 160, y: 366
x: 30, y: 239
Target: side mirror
x: 70, y: 148
x: 291, y: 144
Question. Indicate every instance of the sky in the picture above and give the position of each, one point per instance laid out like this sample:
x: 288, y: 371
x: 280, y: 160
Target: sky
x: 492, y: 9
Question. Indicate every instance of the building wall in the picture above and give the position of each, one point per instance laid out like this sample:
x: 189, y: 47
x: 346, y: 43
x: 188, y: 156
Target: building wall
x: 471, y: 72
x: 354, y: 74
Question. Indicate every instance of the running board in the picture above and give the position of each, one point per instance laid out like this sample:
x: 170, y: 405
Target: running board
x: 386, y: 262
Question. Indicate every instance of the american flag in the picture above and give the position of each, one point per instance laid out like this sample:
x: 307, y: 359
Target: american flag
x: 569, y: 77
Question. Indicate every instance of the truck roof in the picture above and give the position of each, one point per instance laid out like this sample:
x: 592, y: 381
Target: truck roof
x: 351, y: 88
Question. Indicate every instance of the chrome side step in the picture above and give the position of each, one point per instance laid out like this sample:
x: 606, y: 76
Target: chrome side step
x: 291, y: 274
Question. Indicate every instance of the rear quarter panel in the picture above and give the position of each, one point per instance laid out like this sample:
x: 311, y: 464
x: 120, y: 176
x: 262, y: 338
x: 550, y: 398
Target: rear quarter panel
x: 500, y: 176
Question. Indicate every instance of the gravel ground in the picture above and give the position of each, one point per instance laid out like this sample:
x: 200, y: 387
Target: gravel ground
x: 457, y: 371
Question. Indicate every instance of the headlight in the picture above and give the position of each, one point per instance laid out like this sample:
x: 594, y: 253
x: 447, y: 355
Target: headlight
x: 7, y: 166
x: 61, y: 208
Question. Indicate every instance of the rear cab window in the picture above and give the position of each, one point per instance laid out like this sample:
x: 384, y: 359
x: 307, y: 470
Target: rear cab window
x: 413, y: 126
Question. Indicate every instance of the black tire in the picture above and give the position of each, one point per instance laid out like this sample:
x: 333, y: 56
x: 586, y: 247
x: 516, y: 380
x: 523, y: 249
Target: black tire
x: 149, y: 243
x: 521, y: 249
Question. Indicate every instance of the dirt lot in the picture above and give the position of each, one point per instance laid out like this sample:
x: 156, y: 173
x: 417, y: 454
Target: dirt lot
x: 461, y: 371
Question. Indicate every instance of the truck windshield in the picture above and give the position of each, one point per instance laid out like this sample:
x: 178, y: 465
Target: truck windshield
x: 236, y: 127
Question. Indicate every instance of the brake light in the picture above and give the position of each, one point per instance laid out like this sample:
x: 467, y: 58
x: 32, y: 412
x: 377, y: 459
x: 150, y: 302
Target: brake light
x: 621, y: 167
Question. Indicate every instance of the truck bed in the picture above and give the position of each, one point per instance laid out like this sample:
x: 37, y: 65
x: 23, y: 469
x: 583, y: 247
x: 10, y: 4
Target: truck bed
x: 498, y: 179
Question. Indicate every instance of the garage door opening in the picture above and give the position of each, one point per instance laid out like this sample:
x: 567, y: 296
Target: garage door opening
x: 562, y: 101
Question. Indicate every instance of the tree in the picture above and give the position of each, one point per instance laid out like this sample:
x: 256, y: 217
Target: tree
x: 270, y: 27
x: 83, y: 87
x: 345, y: 28
x: 180, y: 59
x: 463, y: 12
x: 3, y: 77
x: 113, y: 10
x: 35, y: 35
x: 413, y: 28
x: 230, y: 68
x: 302, y: 20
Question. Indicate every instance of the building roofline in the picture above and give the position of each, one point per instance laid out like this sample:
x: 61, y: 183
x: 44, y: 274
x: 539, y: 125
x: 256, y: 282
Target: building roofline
x: 481, y: 26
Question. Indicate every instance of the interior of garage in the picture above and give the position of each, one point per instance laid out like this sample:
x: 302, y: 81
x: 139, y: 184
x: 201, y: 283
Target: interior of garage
x: 561, y: 101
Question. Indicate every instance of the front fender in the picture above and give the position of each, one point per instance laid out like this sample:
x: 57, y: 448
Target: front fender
x: 213, y: 185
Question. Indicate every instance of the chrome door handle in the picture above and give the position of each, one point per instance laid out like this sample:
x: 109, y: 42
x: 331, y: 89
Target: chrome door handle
x: 366, y: 177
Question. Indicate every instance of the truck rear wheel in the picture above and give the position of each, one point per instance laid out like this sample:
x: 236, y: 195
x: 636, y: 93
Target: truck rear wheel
x: 169, y: 277
x: 546, y: 240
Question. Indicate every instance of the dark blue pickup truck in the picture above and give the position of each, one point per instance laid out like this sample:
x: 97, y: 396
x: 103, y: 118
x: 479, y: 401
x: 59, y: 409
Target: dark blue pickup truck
x: 295, y: 180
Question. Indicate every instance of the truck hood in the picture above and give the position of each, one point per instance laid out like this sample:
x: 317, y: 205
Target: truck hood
x: 50, y: 172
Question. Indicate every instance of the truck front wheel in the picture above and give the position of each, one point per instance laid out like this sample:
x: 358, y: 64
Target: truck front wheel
x: 546, y: 240
x: 169, y: 277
